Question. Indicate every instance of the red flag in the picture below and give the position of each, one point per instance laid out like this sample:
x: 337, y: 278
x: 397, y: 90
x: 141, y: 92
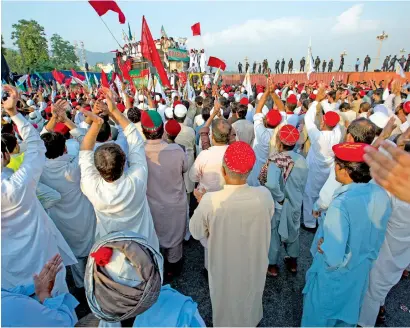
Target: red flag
x: 101, y: 7
x: 58, y: 76
x: 125, y: 70
x: 150, y: 52
x: 196, y: 29
x: 78, y: 76
x: 216, y: 62
x: 104, y: 80
x: 67, y: 82
x: 28, y: 81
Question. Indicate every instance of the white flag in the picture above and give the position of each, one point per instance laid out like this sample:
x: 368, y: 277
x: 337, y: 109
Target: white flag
x: 310, y: 62
x: 21, y: 80
x: 159, y: 89
x: 216, y: 77
x: 399, y: 70
x: 189, y: 91
x: 117, y: 82
x: 247, y: 84
x: 75, y: 80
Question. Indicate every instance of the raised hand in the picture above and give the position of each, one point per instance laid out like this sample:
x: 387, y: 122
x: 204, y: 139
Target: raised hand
x: 10, y: 103
x: 44, y: 281
x: 109, y: 97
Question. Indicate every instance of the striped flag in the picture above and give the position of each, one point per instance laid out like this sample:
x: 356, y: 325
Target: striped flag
x: 163, y: 33
x: 20, y: 82
x: 96, y: 80
x: 399, y: 70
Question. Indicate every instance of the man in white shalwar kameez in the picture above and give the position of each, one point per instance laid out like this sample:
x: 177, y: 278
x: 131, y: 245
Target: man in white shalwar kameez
x: 320, y: 157
x: 202, y: 61
x: 237, y: 222
x: 74, y: 215
x: 119, y: 197
x: 29, y: 237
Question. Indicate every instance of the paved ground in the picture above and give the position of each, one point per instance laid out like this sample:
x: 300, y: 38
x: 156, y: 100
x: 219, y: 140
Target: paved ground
x: 282, y: 299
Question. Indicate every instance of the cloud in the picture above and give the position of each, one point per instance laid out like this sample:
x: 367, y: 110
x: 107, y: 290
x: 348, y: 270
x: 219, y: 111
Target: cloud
x: 252, y: 32
x: 350, y: 21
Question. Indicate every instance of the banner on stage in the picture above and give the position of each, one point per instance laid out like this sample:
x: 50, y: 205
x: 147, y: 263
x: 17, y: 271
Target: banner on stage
x: 178, y: 55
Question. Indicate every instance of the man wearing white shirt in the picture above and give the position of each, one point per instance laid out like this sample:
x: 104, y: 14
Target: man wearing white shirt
x: 119, y: 197
x: 320, y: 157
x: 30, y: 235
x: 329, y: 104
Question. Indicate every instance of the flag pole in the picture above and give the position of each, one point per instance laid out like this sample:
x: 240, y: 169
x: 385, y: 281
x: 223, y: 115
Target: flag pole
x: 110, y: 32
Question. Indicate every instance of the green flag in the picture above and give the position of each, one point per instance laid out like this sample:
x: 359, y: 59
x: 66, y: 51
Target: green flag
x: 39, y: 76
x: 129, y: 32
x: 163, y: 33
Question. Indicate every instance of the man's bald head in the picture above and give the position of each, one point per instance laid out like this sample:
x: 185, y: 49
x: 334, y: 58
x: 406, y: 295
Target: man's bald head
x: 221, y: 130
x: 362, y: 130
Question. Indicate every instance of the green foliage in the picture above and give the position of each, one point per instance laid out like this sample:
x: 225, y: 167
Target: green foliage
x: 30, y: 39
x: 15, y: 61
x: 63, y: 53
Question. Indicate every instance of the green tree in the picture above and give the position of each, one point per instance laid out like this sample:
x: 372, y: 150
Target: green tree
x: 30, y: 38
x: 15, y: 61
x: 63, y: 53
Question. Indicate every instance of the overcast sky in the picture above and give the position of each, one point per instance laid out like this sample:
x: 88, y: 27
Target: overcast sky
x: 232, y: 30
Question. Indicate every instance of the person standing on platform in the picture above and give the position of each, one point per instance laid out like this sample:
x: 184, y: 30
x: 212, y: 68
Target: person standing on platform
x: 407, y: 66
x: 290, y: 66
x: 282, y: 66
x: 367, y: 61
x: 356, y: 66
x: 240, y: 68
x: 392, y: 64
x: 246, y: 67
x: 324, y: 66
x: 260, y: 68
x: 254, y: 68
x: 402, y: 62
x: 385, y: 64
x: 317, y: 64
x: 302, y: 64
x: 342, y: 63
x: 330, y: 65
x: 277, y: 67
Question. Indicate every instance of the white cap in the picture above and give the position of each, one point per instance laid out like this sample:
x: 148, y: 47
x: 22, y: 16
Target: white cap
x: 157, y: 98
x: 142, y: 106
x: 169, y: 112
x: 225, y: 95
x: 173, y: 95
x: 381, y: 109
x: 222, y: 92
x: 121, y: 270
x: 277, y: 91
x: 32, y: 115
x: 290, y: 92
x: 237, y: 97
x: 242, y: 89
x: 315, y: 92
x: 259, y: 96
x: 141, y: 97
x: 380, y: 119
x: 180, y: 111
x: 30, y: 102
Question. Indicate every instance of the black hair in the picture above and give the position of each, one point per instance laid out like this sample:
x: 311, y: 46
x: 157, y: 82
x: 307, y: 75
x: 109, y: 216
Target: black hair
x: 362, y: 130
x: 359, y: 172
x: 109, y: 160
x: 10, y: 141
x: 225, y: 112
x: 206, y: 113
x: 7, y: 128
x: 291, y: 107
x: 344, y: 106
x: 332, y: 94
x: 105, y: 132
x: 55, y: 144
x: 242, y: 110
x: 185, y: 103
x: 199, y: 100
x: 224, y: 102
x: 149, y: 135
x: 288, y: 148
x: 306, y: 103
x: 134, y: 115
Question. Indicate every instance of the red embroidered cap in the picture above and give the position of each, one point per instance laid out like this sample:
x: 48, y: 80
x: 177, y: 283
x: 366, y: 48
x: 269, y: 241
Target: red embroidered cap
x: 239, y: 157
x: 289, y: 135
x: 331, y: 118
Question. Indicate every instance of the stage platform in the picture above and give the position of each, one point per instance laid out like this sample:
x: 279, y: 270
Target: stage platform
x: 346, y: 77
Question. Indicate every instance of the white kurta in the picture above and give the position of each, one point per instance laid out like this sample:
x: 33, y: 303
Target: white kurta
x: 320, y: 161
x: 202, y: 62
x: 74, y: 215
x: 237, y: 222
x: 29, y: 237
x: 122, y: 204
x: 393, y: 258
x: 186, y: 138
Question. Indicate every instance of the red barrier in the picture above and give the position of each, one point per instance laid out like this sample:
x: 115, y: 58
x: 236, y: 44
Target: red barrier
x: 326, y: 78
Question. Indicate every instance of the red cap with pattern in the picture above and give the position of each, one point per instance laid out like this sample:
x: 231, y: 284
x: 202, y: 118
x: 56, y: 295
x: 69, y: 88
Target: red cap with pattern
x: 239, y: 157
x: 331, y: 119
x: 350, y: 151
x: 273, y: 118
x: 244, y: 101
x: 172, y: 128
x: 61, y: 128
x: 292, y: 99
x: 289, y: 135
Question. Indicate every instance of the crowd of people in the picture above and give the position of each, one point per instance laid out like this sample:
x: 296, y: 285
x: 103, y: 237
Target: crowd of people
x: 389, y: 65
x: 103, y: 181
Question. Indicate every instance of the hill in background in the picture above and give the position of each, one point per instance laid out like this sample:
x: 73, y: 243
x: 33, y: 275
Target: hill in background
x: 99, y: 57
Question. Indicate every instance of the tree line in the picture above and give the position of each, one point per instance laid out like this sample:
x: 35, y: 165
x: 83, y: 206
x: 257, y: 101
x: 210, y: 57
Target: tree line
x: 35, y: 53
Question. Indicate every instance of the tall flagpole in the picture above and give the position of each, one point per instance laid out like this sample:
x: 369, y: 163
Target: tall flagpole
x: 110, y: 32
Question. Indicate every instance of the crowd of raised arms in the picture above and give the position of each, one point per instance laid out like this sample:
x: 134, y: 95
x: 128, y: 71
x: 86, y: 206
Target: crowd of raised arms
x: 109, y: 183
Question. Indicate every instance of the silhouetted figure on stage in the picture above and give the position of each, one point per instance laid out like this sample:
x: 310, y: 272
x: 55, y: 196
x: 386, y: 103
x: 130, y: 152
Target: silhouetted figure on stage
x: 342, y: 63
x: 385, y: 64
x: 240, y: 68
x: 367, y: 61
x: 246, y: 67
x: 290, y: 66
x: 330, y: 65
x: 407, y: 67
x: 282, y: 66
x: 324, y: 66
x: 277, y: 67
x: 260, y: 68
x: 392, y: 63
x: 317, y: 64
x: 254, y: 68
x: 302, y: 64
